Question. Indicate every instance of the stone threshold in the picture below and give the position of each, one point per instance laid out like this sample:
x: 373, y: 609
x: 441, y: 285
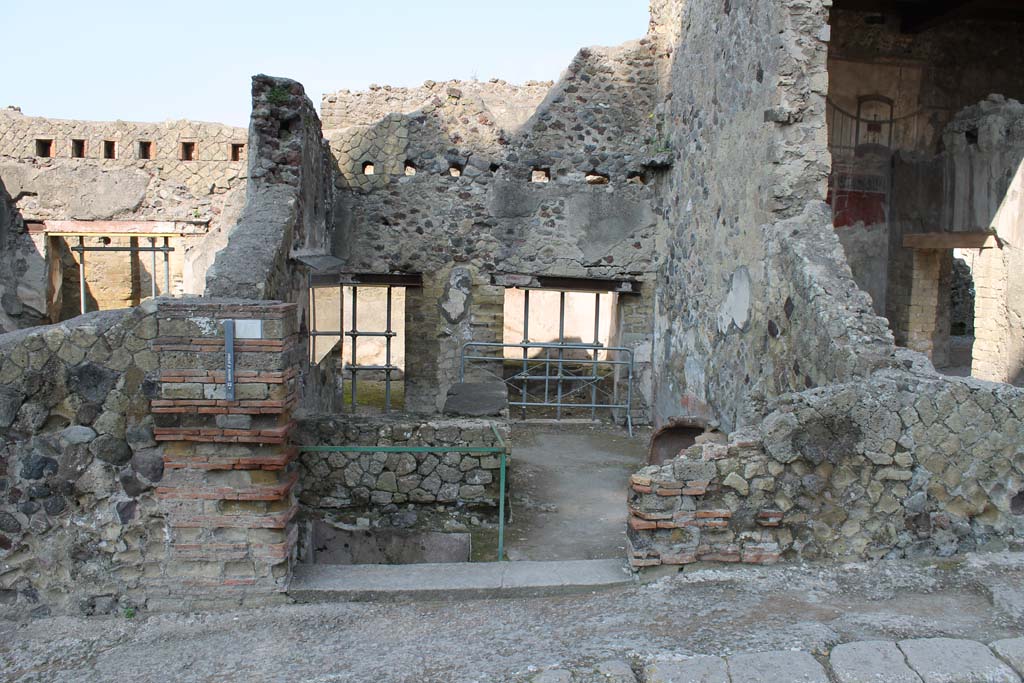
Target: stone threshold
x: 458, y: 580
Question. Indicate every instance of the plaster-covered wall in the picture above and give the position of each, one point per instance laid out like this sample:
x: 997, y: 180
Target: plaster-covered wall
x: 755, y: 297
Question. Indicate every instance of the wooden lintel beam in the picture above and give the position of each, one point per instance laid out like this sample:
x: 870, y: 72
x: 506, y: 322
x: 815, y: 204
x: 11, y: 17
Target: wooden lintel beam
x: 366, y: 279
x: 950, y: 240
x: 124, y: 228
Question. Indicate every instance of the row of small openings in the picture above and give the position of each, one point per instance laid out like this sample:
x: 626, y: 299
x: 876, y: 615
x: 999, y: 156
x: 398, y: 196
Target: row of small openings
x: 543, y: 175
x: 410, y: 169
x: 143, y: 149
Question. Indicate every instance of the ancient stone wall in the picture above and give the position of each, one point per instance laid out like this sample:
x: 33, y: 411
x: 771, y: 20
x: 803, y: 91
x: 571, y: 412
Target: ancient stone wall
x: 519, y: 201
x: 904, y: 464
x: 78, y: 519
x: 211, y: 169
x: 984, y: 181
x: 361, y: 481
x: 288, y: 203
x: 755, y: 296
x: 55, y: 169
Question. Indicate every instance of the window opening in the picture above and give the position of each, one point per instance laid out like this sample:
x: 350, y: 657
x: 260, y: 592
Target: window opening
x: 145, y: 149
x: 188, y: 151
x: 555, y: 356
x: 368, y: 168
x: 541, y: 175
x: 237, y: 151
x: 109, y: 149
x: 44, y: 148
x: 361, y: 329
x: 78, y: 149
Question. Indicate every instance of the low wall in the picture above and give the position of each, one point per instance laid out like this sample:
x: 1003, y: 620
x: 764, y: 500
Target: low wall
x: 368, y: 480
x: 905, y: 463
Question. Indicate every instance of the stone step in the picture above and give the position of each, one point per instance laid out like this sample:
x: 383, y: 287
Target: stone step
x: 461, y: 580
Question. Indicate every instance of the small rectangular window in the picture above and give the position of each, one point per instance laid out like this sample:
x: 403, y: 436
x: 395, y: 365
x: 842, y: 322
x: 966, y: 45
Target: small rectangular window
x: 237, y: 151
x: 188, y: 151
x: 78, y: 149
x: 109, y: 149
x: 145, y: 149
x: 44, y: 147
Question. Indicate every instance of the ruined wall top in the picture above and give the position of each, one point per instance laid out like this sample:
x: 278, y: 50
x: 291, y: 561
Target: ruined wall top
x: 510, y: 104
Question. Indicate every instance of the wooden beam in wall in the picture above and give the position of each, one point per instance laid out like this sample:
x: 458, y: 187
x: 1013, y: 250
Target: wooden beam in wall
x: 125, y: 228
x: 366, y: 279
x: 951, y: 240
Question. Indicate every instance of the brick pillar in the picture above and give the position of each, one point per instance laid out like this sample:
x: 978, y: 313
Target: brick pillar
x: 924, y: 301
x: 227, y: 491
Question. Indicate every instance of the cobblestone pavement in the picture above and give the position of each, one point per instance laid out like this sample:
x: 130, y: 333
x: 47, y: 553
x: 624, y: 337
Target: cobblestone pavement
x: 954, y: 621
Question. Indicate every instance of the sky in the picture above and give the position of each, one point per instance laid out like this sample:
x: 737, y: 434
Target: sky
x: 154, y: 61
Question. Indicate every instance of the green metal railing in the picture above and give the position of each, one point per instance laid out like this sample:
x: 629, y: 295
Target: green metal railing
x: 503, y: 451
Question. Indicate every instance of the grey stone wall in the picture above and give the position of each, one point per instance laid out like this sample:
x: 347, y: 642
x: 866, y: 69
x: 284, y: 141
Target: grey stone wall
x: 287, y: 200
x: 755, y: 297
x: 338, y: 481
x: 78, y: 520
x: 598, y: 120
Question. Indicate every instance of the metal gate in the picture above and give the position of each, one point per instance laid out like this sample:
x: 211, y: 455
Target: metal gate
x: 559, y: 375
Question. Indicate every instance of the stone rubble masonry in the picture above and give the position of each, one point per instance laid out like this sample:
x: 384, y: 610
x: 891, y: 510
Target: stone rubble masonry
x: 491, y: 220
x: 79, y: 521
x: 906, y: 463
x: 332, y: 481
x: 229, y: 477
x: 288, y: 198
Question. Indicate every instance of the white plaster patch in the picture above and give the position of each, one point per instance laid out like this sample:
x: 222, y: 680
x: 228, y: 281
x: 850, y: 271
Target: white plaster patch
x: 735, y: 310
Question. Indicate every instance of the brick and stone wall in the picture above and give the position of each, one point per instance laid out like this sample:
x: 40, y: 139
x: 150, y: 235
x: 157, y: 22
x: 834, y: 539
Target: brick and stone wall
x: 227, y: 493
x: 128, y: 478
x: 360, y: 481
x: 905, y: 464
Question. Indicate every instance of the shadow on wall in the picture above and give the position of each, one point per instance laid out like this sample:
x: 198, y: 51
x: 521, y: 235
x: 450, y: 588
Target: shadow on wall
x: 24, y: 286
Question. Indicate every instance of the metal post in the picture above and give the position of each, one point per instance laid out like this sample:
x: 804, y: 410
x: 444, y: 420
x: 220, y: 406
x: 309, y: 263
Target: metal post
x: 152, y: 267
x: 597, y: 340
x: 355, y: 338
x: 167, y: 266
x: 387, y: 356
x: 501, y: 508
x: 81, y: 272
x: 526, y: 340
x: 312, y: 319
x: 561, y: 352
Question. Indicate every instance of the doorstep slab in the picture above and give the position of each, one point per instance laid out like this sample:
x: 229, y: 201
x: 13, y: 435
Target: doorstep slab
x: 454, y: 580
x: 876, y: 661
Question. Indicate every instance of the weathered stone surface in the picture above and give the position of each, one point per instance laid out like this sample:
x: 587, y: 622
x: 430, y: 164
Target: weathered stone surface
x: 694, y: 670
x: 77, y: 435
x: 10, y: 402
x: 870, y: 662
x: 776, y: 667
x: 478, y: 399
x: 947, y: 660
x: 1011, y: 651
x: 111, y: 449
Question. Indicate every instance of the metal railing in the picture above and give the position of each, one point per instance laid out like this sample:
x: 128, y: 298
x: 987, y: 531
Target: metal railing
x: 561, y: 389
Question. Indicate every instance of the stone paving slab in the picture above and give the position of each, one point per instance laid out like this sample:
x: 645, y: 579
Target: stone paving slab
x: 876, y: 661
x: 333, y: 583
x: 776, y: 667
x: 695, y: 670
x: 948, y: 660
x: 1011, y: 651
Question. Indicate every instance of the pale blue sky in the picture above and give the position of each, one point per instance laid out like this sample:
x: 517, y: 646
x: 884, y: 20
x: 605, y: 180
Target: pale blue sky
x: 152, y: 61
